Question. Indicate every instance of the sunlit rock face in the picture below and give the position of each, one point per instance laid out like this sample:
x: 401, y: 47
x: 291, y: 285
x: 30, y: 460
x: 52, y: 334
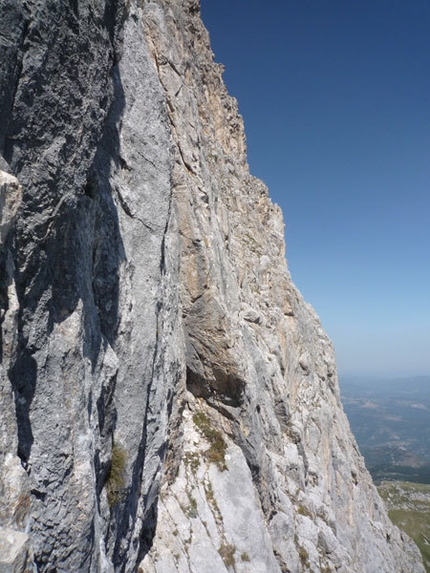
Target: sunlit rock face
x: 169, y: 401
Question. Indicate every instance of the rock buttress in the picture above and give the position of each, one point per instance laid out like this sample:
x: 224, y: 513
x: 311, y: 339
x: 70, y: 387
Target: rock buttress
x: 92, y: 351
x: 288, y: 490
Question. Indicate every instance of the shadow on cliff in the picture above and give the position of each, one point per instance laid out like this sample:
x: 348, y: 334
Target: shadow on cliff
x: 73, y: 258
x: 67, y: 247
x: 76, y: 260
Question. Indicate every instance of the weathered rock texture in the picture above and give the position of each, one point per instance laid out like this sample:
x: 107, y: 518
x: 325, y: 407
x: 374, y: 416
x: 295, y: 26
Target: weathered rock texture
x: 96, y: 355
x: 151, y: 334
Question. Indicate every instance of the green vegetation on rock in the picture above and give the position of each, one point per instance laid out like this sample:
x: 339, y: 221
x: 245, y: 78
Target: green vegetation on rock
x: 227, y: 552
x: 408, y: 506
x: 217, y: 445
x: 115, y: 478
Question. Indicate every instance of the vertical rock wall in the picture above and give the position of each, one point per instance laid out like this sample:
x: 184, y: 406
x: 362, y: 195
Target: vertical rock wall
x: 92, y: 351
x: 150, y: 331
x: 260, y: 369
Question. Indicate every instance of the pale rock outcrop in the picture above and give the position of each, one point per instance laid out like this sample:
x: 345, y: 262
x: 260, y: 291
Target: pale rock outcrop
x: 15, y: 552
x: 151, y: 335
x: 256, y: 352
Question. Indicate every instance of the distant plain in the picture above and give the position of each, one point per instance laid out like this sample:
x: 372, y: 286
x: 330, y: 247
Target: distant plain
x: 391, y: 423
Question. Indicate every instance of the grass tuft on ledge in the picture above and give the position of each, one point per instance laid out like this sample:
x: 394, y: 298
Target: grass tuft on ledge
x: 115, y: 479
x: 217, y: 446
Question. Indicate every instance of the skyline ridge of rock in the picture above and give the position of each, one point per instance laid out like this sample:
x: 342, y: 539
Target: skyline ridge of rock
x: 170, y: 402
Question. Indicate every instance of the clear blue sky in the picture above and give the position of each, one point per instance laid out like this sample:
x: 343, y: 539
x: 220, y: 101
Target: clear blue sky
x: 336, y: 101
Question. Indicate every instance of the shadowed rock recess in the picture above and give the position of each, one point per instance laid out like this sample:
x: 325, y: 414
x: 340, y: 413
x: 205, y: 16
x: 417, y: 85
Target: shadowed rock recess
x: 169, y: 401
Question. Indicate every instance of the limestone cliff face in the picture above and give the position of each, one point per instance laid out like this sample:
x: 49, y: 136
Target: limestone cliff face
x: 151, y: 335
x: 93, y: 349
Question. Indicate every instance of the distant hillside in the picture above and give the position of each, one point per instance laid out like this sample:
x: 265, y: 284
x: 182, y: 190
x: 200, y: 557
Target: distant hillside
x: 408, y: 506
x: 390, y: 420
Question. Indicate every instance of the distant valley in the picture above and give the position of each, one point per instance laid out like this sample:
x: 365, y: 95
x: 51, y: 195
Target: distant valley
x: 391, y: 422
x: 408, y: 506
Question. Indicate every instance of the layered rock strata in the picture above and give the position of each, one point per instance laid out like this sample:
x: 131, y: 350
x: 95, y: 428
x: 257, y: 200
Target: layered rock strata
x: 151, y: 334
